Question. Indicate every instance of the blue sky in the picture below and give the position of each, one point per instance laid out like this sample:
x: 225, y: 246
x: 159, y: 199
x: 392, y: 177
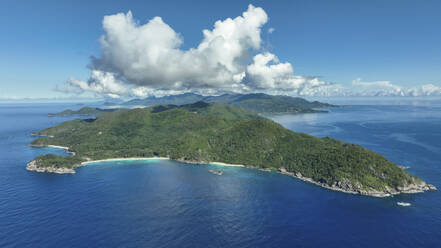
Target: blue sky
x: 43, y: 43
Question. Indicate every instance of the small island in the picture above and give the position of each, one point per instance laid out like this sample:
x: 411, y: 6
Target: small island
x: 212, y: 132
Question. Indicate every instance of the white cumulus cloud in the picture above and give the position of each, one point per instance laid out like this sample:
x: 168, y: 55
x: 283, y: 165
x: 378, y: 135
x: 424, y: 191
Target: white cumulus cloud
x: 371, y: 89
x: 149, y: 54
x: 144, y: 59
x: 266, y: 72
x: 377, y: 88
x: 147, y: 59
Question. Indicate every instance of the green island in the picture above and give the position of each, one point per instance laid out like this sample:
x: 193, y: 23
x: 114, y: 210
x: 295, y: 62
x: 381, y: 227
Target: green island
x: 212, y: 132
x: 83, y: 111
x: 256, y: 102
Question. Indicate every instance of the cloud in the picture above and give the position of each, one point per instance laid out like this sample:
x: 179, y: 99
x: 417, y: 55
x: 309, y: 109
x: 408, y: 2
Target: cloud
x: 386, y: 88
x: 99, y: 82
x: 271, y: 30
x: 360, y: 88
x: 424, y: 90
x: 149, y: 54
x: 141, y: 59
x: 377, y: 88
x: 143, y: 92
x: 266, y: 72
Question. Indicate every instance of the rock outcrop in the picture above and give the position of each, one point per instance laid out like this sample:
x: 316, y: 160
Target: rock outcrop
x: 346, y: 186
x: 33, y: 166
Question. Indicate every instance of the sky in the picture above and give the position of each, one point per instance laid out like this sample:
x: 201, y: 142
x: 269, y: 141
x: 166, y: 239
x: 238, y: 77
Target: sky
x: 141, y: 48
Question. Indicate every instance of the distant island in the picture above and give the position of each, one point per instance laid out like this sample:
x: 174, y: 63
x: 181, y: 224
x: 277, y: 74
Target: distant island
x: 213, y: 132
x: 256, y: 102
x: 83, y: 112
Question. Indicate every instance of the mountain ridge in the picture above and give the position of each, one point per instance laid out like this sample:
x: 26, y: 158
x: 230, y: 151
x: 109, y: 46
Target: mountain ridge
x: 255, y: 102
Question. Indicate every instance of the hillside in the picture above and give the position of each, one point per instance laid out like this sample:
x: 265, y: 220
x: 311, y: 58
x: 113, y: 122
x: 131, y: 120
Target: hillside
x: 206, y: 132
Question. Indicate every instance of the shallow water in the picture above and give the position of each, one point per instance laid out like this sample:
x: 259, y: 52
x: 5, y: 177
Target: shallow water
x: 170, y: 204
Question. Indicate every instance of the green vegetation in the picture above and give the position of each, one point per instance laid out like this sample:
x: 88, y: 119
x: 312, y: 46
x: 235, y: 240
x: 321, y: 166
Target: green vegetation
x: 207, y: 132
x: 257, y: 103
x: 84, y: 111
x: 266, y: 104
x: 54, y: 161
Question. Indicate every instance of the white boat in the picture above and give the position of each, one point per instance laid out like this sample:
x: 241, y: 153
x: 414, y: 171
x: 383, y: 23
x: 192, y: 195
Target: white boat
x: 404, y: 204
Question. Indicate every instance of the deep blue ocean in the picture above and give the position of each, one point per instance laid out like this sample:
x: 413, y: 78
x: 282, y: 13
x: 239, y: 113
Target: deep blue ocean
x: 169, y: 204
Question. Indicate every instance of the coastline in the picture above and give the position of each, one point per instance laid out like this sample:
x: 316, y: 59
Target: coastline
x: 410, y: 189
x: 58, y: 147
x: 32, y: 166
x: 142, y: 158
x: 62, y: 147
x: 161, y: 158
x: 123, y: 159
x: 229, y: 165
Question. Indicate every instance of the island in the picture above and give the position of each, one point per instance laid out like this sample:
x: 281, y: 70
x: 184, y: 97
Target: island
x: 256, y: 102
x: 213, y: 132
x: 84, y: 111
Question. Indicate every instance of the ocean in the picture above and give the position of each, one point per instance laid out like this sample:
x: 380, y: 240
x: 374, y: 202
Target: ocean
x: 169, y: 204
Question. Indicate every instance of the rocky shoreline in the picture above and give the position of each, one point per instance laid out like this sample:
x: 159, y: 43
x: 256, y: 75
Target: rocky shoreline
x: 33, y: 166
x: 346, y: 187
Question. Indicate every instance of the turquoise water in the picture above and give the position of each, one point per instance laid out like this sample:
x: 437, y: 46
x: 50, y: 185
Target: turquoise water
x: 170, y: 204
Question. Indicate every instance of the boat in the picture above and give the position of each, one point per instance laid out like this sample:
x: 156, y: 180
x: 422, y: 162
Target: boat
x: 404, y: 204
x: 216, y: 172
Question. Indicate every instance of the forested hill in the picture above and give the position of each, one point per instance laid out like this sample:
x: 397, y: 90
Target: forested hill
x: 206, y: 132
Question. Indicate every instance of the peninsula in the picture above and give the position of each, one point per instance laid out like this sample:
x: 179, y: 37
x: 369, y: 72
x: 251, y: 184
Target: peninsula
x: 213, y: 132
